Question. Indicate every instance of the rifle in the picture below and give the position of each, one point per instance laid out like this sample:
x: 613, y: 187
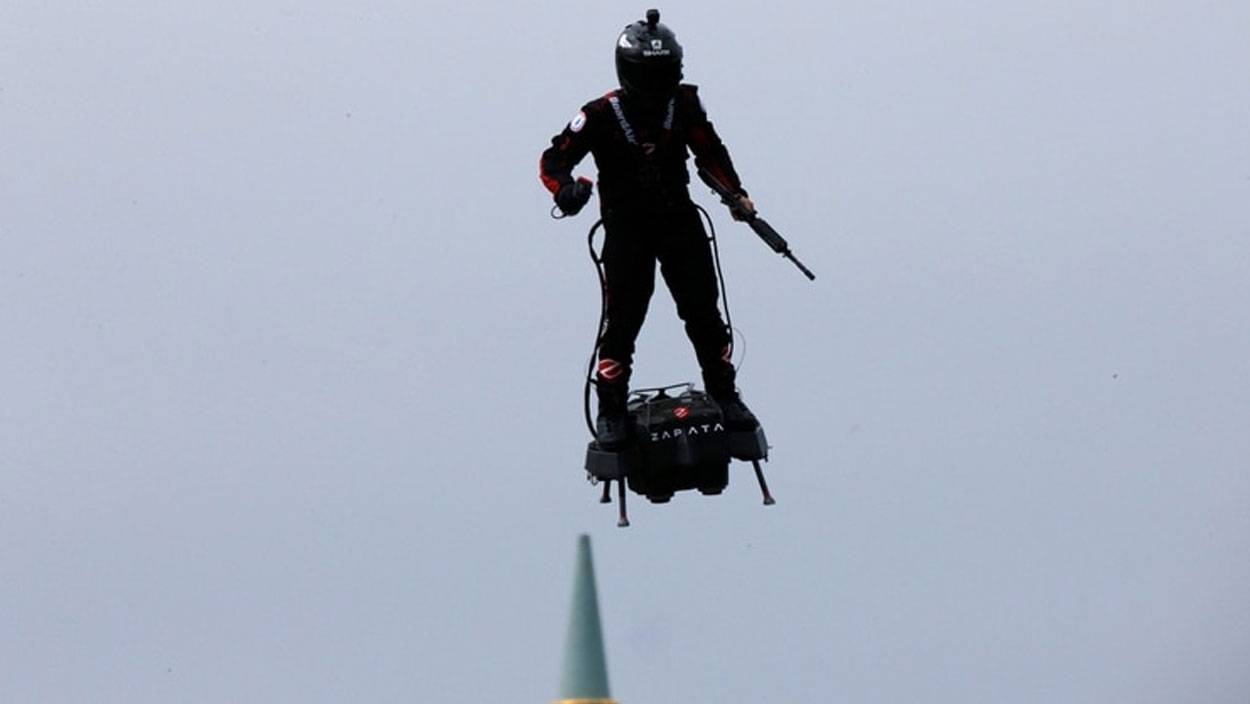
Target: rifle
x: 766, y: 232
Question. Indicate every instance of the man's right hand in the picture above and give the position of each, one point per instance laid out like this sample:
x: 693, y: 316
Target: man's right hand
x: 572, y: 197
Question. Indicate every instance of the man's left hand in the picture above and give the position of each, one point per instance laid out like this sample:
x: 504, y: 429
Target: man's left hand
x: 746, y: 205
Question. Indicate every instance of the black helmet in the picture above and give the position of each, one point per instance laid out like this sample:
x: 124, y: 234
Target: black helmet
x: 648, y: 61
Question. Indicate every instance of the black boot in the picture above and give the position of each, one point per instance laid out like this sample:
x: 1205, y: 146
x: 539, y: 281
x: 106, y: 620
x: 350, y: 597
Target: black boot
x: 737, y: 415
x: 722, y: 390
x: 613, y: 427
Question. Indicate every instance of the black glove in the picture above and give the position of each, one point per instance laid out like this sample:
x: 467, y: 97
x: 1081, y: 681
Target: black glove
x: 572, y: 197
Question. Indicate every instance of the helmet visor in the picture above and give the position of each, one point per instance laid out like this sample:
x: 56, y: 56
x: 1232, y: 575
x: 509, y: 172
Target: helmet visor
x: 651, y: 81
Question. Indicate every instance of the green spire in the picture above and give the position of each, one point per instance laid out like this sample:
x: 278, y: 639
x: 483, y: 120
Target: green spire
x: 585, y: 679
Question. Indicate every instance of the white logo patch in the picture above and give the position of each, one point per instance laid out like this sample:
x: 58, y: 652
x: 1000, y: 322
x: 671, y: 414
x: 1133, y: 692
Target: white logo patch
x: 657, y: 44
x: 578, y: 122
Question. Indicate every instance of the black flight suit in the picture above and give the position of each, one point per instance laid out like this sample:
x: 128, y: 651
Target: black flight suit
x: 648, y: 217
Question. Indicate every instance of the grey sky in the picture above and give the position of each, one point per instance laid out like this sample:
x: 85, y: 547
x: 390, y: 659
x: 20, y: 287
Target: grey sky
x: 290, y: 392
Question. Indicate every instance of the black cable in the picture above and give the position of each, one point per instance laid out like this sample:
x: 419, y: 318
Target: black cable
x: 603, y: 315
x: 720, y: 276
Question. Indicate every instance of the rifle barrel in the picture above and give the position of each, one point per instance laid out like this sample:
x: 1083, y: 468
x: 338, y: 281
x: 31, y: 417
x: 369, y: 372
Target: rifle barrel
x: 771, y: 237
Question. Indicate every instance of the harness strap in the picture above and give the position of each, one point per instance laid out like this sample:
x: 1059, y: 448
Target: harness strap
x: 628, y: 129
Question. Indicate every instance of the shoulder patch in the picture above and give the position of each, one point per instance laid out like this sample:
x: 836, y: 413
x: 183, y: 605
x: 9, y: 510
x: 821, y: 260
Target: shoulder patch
x: 578, y: 121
